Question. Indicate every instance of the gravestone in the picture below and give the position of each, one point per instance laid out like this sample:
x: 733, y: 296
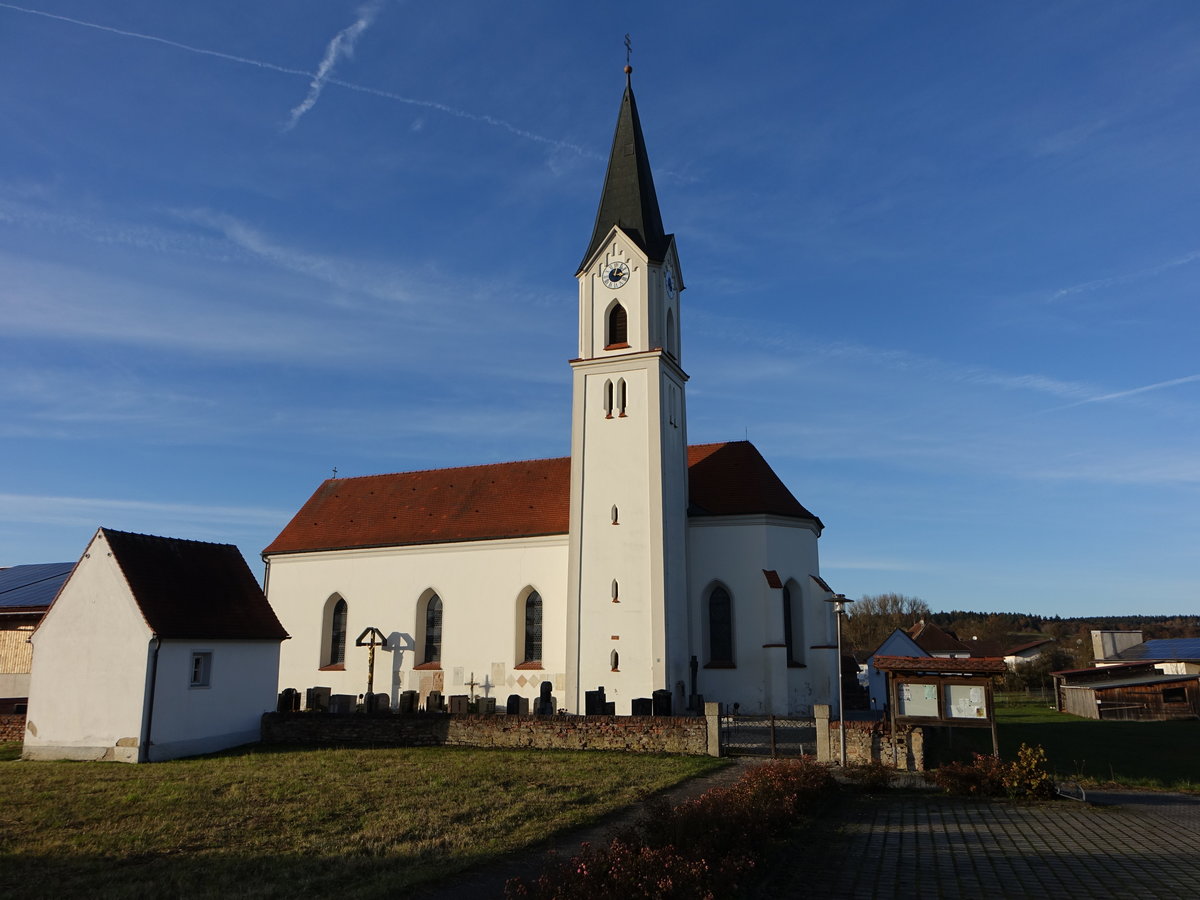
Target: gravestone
x: 343, y: 704
x: 460, y: 705
x: 517, y: 705
x: 380, y: 703
x: 610, y: 708
x: 544, y: 706
x: 433, y: 702
x: 641, y: 706
x: 594, y: 702
x: 316, y: 699
x: 486, y: 706
x: 662, y: 703
x: 408, y: 703
x: 289, y: 701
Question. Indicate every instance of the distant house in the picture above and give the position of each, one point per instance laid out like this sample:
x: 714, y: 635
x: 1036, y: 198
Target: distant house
x: 25, y: 595
x: 898, y: 643
x: 1027, y: 652
x: 938, y: 642
x: 154, y: 648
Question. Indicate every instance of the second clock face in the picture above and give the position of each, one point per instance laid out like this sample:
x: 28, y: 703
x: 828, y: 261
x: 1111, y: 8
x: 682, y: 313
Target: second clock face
x: 614, y: 274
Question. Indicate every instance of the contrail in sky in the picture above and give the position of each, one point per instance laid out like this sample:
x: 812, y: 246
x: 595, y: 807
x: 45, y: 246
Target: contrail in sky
x: 341, y: 45
x: 350, y: 86
x: 1187, y: 379
x: 1119, y: 279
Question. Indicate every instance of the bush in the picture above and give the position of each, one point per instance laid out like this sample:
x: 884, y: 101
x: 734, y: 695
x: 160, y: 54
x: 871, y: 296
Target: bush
x: 989, y: 776
x: 701, y: 848
x: 871, y: 776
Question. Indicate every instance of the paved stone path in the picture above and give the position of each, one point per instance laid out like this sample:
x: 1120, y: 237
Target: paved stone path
x: 916, y: 845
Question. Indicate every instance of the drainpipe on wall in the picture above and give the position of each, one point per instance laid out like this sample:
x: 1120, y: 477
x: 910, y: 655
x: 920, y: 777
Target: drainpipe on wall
x: 148, y: 715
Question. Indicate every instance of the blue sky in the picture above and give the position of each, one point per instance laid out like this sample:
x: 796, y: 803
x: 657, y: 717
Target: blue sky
x: 942, y: 263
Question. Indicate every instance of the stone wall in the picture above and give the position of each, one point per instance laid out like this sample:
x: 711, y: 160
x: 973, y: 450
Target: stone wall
x: 869, y: 742
x: 12, y: 727
x: 639, y: 734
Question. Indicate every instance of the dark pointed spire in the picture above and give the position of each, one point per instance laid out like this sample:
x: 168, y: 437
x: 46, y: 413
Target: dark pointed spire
x: 628, y: 199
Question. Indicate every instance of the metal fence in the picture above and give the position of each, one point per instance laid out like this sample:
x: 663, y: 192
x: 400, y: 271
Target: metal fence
x: 771, y: 736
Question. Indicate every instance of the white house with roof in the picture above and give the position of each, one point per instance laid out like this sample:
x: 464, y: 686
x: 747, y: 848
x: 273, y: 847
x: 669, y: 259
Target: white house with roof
x: 639, y: 564
x: 154, y: 648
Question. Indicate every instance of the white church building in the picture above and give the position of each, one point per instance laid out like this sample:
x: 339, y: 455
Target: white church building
x: 638, y: 564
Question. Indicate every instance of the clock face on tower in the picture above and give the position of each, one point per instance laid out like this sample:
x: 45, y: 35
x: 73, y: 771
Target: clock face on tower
x: 669, y: 281
x: 614, y: 274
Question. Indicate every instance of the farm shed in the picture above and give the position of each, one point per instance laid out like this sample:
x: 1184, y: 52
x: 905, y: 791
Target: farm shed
x: 1151, y: 697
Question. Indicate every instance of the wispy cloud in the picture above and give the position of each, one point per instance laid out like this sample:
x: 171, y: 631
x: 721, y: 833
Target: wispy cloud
x: 1132, y: 392
x: 94, y: 511
x: 342, y: 46
x: 481, y: 118
x: 1101, y: 283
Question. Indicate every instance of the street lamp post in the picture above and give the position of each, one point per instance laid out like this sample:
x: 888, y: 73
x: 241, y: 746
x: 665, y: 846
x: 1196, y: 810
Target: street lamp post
x: 839, y: 602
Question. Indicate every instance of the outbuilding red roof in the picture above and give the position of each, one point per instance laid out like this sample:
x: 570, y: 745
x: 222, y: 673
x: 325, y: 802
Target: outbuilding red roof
x: 509, y: 500
x: 193, y: 589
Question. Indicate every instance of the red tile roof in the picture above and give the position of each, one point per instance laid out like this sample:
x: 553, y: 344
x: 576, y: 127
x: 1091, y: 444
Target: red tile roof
x: 933, y: 639
x: 508, y: 500
x: 193, y: 589
x: 970, y: 665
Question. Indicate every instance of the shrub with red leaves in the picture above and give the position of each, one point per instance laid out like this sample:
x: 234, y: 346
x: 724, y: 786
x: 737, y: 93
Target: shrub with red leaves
x: 701, y: 848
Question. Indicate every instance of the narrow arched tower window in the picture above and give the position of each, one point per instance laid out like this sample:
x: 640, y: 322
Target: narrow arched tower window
x: 616, y: 592
x: 618, y: 326
x: 615, y: 659
x: 720, y: 627
x: 337, y: 634
x: 620, y: 402
x: 533, y: 628
x: 433, y: 630
x: 672, y: 336
x: 608, y: 399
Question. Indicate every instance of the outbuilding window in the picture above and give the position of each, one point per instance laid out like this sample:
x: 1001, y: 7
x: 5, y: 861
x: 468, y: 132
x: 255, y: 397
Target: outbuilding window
x: 201, y: 669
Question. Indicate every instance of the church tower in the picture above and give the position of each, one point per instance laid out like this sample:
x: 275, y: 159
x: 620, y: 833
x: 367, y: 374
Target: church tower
x: 627, y: 627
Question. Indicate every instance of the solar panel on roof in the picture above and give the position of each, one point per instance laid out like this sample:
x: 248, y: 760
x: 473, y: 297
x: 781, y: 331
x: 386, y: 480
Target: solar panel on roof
x: 32, y: 585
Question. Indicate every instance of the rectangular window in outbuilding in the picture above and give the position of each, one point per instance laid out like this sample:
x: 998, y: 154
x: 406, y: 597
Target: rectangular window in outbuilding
x: 201, y: 669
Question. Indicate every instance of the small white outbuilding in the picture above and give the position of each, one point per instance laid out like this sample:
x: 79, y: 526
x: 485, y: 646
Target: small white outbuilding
x: 154, y: 648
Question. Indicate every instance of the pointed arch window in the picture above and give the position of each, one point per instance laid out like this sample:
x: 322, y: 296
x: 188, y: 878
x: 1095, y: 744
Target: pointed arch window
x: 793, y: 626
x: 608, y: 399
x: 618, y: 327
x: 720, y: 628
x: 533, y: 628
x: 433, y: 630
x: 620, y: 401
x: 333, y: 651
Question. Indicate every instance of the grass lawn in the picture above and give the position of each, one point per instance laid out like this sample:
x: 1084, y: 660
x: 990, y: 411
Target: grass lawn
x: 1153, y: 755
x: 277, y: 822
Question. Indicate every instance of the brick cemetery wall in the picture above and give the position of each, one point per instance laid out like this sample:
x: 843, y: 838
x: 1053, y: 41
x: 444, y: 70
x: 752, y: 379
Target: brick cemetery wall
x: 12, y: 727
x: 639, y: 734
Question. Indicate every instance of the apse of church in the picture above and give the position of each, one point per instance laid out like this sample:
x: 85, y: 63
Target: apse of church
x: 639, y: 564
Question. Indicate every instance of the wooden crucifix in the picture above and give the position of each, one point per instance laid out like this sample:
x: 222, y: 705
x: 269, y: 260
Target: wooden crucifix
x: 370, y: 638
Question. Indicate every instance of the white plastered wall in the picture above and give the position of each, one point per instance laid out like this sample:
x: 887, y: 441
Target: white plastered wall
x: 88, y: 682
x: 480, y: 584
x: 734, y: 551
x: 227, y: 712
